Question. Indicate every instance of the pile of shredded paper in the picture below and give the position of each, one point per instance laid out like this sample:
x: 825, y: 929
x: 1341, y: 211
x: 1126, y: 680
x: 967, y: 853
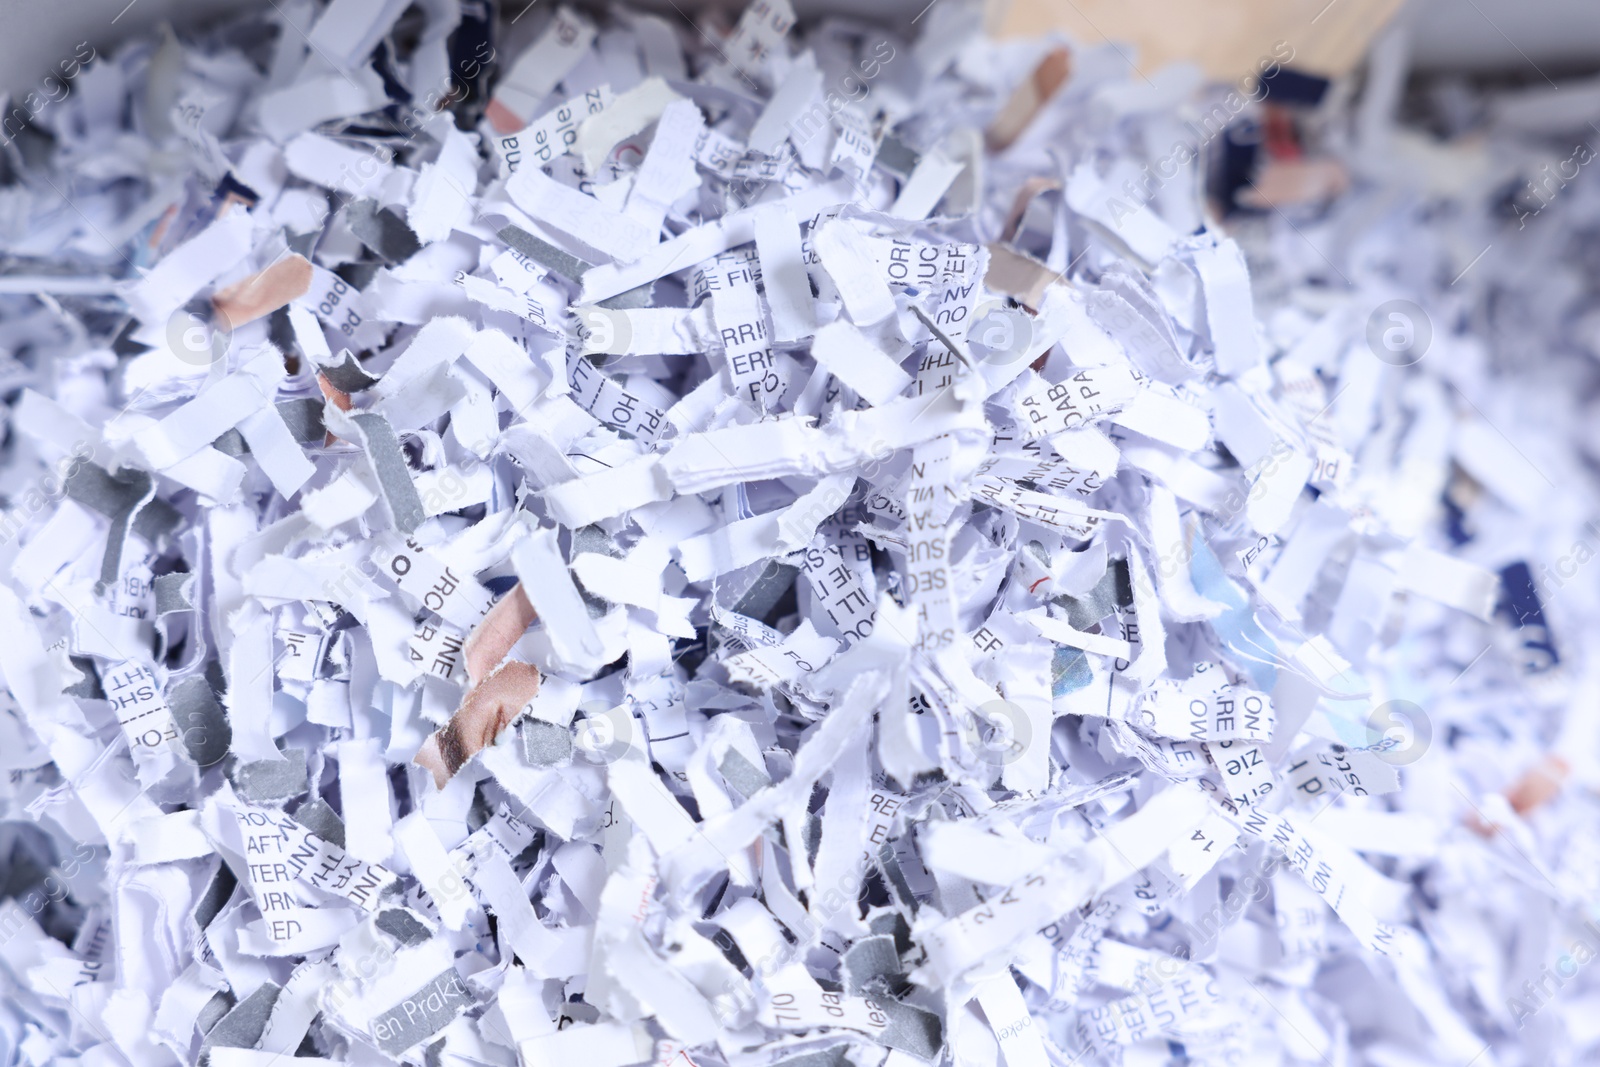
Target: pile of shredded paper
x: 602, y: 539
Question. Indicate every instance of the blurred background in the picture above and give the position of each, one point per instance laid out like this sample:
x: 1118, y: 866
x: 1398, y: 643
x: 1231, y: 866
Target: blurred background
x: 1512, y: 39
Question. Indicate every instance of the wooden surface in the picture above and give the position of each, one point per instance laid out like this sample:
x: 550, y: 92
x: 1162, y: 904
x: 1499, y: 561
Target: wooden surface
x: 1230, y: 39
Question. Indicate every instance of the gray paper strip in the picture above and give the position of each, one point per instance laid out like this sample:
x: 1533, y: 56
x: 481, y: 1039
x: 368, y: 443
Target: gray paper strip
x: 921, y: 1033
x: 304, y: 419
x: 403, y: 926
x: 267, y: 782
x: 869, y: 962
x: 768, y: 587
x: 174, y: 593
x: 318, y: 816
x: 144, y: 485
x: 544, y: 253
x: 383, y: 231
x: 118, y: 498
x: 155, y: 520
x: 347, y: 375
x: 231, y: 443
x: 394, y: 477
x: 202, y: 724
x: 88, y: 683
x: 243, y: 1026
x: 1087, y: 610
x: 544, y: 744
x: 745, y: 777
x: 94, y: 487
x: 422, y: 1014
x: 897, y: 157
x: 833, y: 1056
